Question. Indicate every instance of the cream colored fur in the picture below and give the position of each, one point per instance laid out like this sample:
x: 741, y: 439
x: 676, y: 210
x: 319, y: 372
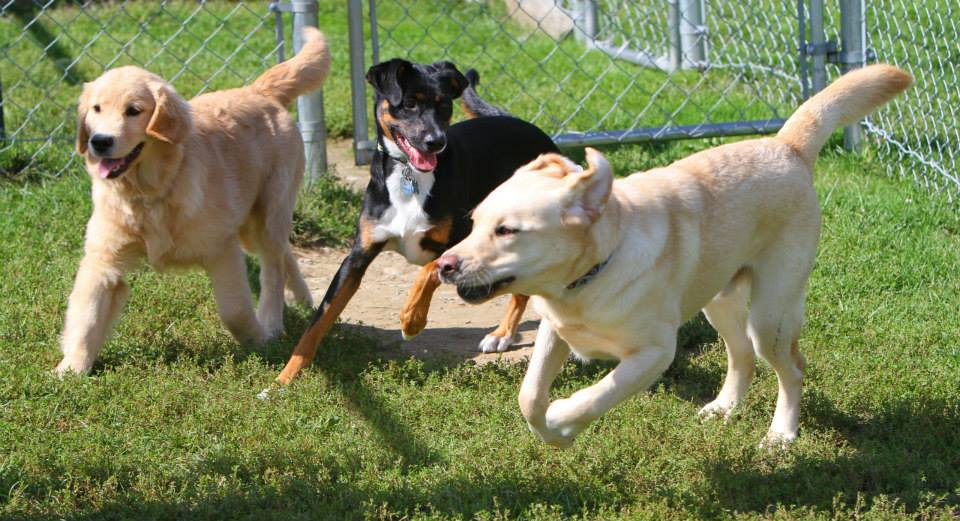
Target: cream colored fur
x: 217, y: 175
x: 732, y: 230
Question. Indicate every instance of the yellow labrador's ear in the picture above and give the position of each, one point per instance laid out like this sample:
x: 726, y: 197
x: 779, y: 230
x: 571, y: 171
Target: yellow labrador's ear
x: 171, y: 120
x: 83, y: 135
x: 589, y: 190
x: 551, y: 165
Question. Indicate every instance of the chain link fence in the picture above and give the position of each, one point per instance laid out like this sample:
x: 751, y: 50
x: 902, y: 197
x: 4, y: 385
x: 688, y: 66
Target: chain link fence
x: 613, y: 70
x: 49, y: 48
x: 919, y: 132
x: 620, y: 71
x: 586, y: 71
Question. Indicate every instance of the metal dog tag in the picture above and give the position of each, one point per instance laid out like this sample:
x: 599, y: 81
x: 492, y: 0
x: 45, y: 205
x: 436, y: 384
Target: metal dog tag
x: 409, y: 183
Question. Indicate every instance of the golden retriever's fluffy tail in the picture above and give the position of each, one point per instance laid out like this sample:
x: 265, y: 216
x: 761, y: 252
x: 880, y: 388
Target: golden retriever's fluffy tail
x: 303, y: 73
x: 853, y: 96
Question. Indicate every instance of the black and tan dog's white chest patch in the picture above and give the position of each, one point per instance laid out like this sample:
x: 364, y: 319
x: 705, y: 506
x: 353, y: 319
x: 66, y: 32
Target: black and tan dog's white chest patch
x: 403, y: 225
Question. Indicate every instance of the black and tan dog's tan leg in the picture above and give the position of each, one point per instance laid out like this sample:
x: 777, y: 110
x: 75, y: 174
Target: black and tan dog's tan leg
x: 413, y: 316
x: 501, y: 338
x: 339, y: 293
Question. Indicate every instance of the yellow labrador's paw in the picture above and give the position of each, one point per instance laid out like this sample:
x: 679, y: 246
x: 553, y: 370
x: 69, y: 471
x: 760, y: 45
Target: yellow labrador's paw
x: 551, y: 438
x: 717, y: 409
x: 777, y: 441
x: 564, y: 422
x: 496, y: 344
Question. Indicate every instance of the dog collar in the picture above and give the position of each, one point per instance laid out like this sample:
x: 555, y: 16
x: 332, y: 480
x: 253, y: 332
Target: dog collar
x: 409, y: 183
x: 588, y: 276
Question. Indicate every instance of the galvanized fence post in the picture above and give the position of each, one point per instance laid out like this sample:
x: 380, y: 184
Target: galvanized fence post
x: 362, y: 146
x: 3, y: 128
x: 693, y: 33
x: 818, y: 47
x: 313, y: 128
x: 852, y: 55
x: 675, y: 54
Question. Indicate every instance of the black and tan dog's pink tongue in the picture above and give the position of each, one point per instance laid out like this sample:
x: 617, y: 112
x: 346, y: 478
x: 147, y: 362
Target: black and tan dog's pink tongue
x: 107, y: 165
x: 423, y: 161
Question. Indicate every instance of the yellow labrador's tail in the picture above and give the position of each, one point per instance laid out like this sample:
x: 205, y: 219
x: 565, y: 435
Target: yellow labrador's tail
x: 853, y: 96
x: 303, y: 73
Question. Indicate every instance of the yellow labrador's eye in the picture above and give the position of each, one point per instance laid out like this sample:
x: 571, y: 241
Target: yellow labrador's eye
x: 96, y: 108
x: 503, y: 231
x: 132, y: 111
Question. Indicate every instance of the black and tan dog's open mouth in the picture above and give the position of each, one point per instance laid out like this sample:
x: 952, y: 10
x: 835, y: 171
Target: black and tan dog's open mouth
x: 110, y: 167
x: 478, y: 294
x: 423, y: 161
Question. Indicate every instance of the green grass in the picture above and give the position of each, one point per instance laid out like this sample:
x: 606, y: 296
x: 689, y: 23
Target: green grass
x: 168, y: 426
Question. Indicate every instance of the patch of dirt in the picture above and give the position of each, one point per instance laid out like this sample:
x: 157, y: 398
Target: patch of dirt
x: 454, y: 328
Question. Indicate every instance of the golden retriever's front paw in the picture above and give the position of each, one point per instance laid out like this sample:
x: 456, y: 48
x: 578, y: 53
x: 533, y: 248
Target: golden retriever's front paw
x: 298, y: 298
x: 717, y: 409
x: 66, y: 367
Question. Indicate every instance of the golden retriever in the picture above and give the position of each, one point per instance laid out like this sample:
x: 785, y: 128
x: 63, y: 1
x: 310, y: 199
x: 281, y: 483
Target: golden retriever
x: 190, y: 184
x: 615, y: 267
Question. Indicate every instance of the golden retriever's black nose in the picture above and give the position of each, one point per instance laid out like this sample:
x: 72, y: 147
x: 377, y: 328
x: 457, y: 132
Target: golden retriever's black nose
x: 101, y: 143
x: 448, y: 265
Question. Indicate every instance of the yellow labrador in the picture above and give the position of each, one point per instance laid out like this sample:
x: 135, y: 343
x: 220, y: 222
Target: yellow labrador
x: 615, y: 267
x: 186, y: 184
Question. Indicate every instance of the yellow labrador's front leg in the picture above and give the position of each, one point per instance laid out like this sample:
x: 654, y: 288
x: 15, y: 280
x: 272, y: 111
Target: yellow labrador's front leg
x: 549, y: 354
x: 566, y: 418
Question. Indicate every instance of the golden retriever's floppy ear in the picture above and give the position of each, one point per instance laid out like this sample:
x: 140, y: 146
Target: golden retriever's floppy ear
x: 83, y: 135
x: 589, y: 190
x: 171, y: 120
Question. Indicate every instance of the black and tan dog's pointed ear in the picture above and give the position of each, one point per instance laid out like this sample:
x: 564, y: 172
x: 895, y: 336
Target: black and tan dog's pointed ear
x: 83, y: 135
x: 386, y: 77
x: 589, y: 190
x: 451, y: 78
x: 171, y: 120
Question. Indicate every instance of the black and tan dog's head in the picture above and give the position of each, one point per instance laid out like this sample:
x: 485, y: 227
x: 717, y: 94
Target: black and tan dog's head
x: 414, y: 107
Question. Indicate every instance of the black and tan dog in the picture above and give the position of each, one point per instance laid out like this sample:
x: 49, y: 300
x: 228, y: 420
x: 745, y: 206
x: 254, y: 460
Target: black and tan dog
x: 425, y: 178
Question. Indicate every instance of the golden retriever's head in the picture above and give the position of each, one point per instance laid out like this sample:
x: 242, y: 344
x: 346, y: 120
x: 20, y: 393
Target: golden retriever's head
x: 531, y: 233
x: 121, y: 112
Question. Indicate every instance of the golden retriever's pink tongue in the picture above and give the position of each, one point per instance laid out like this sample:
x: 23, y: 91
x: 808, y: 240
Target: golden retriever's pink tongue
x: 107, y: 165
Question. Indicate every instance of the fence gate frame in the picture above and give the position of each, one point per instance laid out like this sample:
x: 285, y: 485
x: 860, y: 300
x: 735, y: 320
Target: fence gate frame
x: 688, y: 28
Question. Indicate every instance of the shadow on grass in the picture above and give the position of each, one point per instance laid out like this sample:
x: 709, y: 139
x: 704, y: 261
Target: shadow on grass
x: 328, y: 493
x: 908, y: 452
x: 28, y: 14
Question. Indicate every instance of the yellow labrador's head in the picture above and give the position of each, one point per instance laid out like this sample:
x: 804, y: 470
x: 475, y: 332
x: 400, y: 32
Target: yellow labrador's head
x: 530, y: 235
x: 121, y: 112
